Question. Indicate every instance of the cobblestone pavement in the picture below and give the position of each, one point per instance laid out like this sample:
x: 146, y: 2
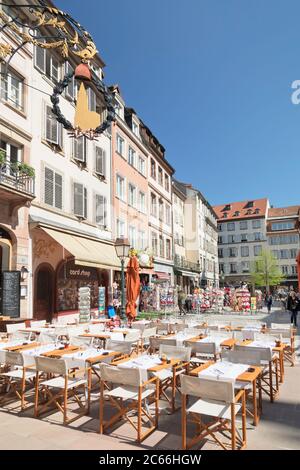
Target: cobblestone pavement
x: 279, y: 427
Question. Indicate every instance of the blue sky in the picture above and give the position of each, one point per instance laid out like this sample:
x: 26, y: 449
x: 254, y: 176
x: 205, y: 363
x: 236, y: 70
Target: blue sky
x: 212, y: 79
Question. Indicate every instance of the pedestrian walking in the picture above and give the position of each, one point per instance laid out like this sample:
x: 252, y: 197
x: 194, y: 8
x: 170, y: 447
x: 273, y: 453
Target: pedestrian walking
x: 181, y: 299
x: 269, y: 301
x: 293, y: 305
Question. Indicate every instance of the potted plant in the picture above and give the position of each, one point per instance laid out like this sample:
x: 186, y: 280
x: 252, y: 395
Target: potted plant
x: 2, y: 156
x: 26, y: 169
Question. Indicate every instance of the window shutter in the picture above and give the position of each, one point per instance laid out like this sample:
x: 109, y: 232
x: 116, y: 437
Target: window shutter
x: 79, y: 149
x: 48, y: 194
x: 100, y: 161
x: 54, y: 69
x: 79, y: 203
x: 100, y: 210
x: 40, y: 58
x: 58, y: 191
x: 91, y: 99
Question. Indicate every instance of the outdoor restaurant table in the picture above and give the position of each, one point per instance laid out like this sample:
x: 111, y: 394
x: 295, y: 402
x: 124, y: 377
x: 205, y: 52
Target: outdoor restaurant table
x: 251, y: 374
x: 151, y: 366
x: 22, y: 346
x: 179, y: 337
x: 272, y: 345
x: 220, y: 342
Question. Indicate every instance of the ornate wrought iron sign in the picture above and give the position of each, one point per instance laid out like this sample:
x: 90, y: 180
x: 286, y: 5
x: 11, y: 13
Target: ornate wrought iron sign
x: 49, y: 28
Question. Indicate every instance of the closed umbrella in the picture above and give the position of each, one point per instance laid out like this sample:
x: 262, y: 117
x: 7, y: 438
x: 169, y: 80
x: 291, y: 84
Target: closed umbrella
x: 132, y: 287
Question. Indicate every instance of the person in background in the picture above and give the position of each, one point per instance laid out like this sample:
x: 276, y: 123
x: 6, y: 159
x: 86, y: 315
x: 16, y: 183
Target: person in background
x: 181, y: 299
x: 269, y: 301
x: 293, y: 304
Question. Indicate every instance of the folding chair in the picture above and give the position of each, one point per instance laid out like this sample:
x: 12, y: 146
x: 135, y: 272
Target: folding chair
x: 123, y: 347
x: 129, y: 394
x: 251, y: 390
x: 176, y: 327
x: 133, y: 337
x: 51, y: 337
x: 38, y: 323
x: 11, y: 328
x: 162, y: 328
x: 269, y: 364
x: 145, y: 337
x: 64, y: 388
x: 216, y: 399
x: 16, y: 379
x: 168, y: 377
x: 81, y: 341
x: 202, y: 352
x: 22, y: 335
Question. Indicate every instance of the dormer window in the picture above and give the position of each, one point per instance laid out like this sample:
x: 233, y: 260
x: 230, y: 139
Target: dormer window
x: 135, y: 128
x: 249, y: 204
x: 256, y: 211
x: 226, y: 208
x: 118, y: 108
x: 225, y: 215
x: 236, y: 214
x: 249, y: 212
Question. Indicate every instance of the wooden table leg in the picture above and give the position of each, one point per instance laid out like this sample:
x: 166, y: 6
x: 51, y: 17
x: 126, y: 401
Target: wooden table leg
x: 254, y: 401
x: 271, y: 381
x: 281, y: 362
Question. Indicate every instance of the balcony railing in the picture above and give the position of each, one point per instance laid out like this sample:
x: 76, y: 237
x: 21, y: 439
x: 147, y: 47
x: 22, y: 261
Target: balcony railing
x: 179, y: 263
x: 11, y: 176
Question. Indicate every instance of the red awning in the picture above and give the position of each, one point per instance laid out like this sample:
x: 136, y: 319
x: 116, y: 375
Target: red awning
x: 159, y: 275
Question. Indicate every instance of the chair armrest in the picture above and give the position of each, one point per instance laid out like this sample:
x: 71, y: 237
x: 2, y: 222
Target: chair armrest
x: 239, y: 395
x: 153, y: 379
x: 180, y: 365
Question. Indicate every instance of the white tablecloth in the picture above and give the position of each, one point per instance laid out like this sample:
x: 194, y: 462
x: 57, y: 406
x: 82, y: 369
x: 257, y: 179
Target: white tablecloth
x: 142, y: 362
x: 224, y: 370
x: 78, y: 359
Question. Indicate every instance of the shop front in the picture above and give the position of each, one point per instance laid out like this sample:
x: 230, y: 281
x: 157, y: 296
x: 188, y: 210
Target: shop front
x: 63, y: 263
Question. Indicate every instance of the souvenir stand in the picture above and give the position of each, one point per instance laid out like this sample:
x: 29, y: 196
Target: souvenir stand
x: 243, y: 299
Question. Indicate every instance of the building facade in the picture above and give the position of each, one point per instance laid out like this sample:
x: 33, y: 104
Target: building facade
x: 201, y: 236
x: 241, y: 238
x: 130, y: 181
x: 187, y: 273
x: 283, y: 240
x: 17, y: 185
x: 160, y: 206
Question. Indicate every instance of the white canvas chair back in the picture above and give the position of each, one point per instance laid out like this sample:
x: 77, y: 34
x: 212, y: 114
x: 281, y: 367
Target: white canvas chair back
x: 210, y: 389
x: 2, y: 357
x: 119, y: 346
x: 154, y: 343
x: 280, y: 326
x: 178, y: 327
x: 96, y: 328
x: 175, y: 352
x: 202, y: 348
x: 248, y: 334
x: 46, y: 337
x: 120, y: 375
x: 50, y: 365
x: 238, y: 335
x: 140, y: 326
x: 38, y: 323
x: 15, y: 327
x: 14, y: 359
x: 280, y: 333
x: 61, y: 330
x: 81, y: 341
x: 265, y: 354
x: 221, y: 334
x: 132, y: 336
x: 268, y: 337
x: 213, y: 327
x: 169, y: 342
x: 192, y: 331
x: 76, y: 330
x: 148, y: 332
x: 162, y: 327
x: 21, y: 335
x: 241, y: 357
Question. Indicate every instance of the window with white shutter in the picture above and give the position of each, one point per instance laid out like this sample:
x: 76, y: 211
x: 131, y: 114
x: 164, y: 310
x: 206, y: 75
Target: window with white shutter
x: 92, y: 100
x: 101, y: 210
x: 53, y: 188
x: 79, y: 149
x: 100, y: 162
x: 53, y: 129
x: 40, y: 58
x: 80, y: 200
x: 70, y: 90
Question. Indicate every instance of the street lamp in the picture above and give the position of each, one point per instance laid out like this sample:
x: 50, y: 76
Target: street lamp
x: 122, y: 247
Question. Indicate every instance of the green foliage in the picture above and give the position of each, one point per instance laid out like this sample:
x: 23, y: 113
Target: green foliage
x: 25, y: 169
x: 265, y: 271
x: 2, y: 156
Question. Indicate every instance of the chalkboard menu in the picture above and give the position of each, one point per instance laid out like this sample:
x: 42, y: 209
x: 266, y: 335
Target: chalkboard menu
x: 10, y: 286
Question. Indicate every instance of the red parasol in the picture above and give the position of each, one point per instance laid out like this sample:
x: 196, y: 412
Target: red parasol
x: 132, y: 287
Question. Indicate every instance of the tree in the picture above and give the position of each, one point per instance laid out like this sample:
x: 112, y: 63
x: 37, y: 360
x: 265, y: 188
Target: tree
x: 265, y: 271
